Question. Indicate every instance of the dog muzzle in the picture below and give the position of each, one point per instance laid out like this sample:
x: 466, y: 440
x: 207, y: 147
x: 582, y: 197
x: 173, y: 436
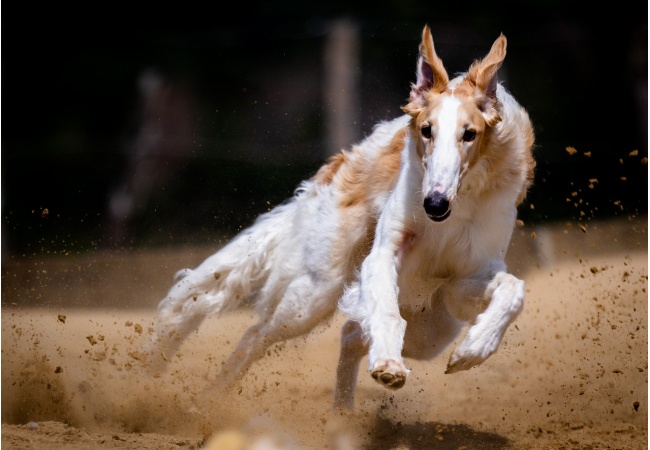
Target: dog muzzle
x: 437, y: 207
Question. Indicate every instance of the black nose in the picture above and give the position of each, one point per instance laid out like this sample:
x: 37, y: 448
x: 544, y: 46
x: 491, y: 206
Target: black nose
x: 437, y: 207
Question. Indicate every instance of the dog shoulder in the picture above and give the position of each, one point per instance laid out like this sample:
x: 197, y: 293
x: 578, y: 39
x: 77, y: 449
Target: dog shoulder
x: 370, y: 169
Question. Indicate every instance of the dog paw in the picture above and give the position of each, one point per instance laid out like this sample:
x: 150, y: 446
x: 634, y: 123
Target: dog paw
x: 390, y: 374
x: 462, y: 362
x: 472, y: 352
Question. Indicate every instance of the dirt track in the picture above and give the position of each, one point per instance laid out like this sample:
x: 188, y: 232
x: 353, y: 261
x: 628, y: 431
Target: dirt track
x: 571, y: 373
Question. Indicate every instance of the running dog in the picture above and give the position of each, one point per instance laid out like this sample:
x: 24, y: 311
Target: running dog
x: 405, y: 233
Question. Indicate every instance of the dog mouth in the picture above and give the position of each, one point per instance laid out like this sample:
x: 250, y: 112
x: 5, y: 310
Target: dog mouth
x: 437, y: 207
x: 439, y: 218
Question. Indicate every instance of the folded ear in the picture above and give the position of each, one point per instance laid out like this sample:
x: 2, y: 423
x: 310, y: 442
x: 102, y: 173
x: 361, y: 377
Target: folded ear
x: 483, y: 73
x: 430, y: 73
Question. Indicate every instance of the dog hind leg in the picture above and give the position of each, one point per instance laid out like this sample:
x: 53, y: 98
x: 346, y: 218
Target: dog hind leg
x: 353, y: 348
x: 306, y: 302
x: 220, y: 283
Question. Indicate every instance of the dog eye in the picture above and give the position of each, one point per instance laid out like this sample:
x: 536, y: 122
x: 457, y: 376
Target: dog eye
x: 426, y: 132
x: 469, y: 135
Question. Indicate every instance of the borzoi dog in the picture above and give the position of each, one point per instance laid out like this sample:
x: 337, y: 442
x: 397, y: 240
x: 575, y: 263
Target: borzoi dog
x: 406, y: 233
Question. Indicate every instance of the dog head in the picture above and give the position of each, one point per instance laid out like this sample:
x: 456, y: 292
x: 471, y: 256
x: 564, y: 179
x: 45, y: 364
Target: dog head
x: 451, y: 120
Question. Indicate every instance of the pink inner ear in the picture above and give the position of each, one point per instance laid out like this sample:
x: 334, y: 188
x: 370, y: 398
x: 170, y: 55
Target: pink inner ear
x: 425, y: 77
x: 484, y: 72
x: 492, y: 86
x: 424, y: 80
x: 431, y: 74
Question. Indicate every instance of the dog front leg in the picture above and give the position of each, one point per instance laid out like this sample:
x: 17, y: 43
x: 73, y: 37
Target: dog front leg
x: 376, y: 306
x: 382, y: 322
x: 505, y: 294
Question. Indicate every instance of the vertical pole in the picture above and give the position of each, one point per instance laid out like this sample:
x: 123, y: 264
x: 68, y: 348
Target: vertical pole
x: 342, y: 67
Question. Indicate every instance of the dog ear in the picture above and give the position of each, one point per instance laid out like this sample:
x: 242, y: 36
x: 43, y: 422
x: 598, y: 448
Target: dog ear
x: 430, y: 73
x: 483, y: 73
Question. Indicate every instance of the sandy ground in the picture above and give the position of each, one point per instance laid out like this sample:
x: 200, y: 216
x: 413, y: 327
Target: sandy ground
x: 571, y: 372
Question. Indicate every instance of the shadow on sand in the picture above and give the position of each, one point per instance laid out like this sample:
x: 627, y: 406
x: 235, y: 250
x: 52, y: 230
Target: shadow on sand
x: 386, y: 434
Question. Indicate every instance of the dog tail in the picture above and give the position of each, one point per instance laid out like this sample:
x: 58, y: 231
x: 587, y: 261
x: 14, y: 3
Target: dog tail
x: 222, y: 282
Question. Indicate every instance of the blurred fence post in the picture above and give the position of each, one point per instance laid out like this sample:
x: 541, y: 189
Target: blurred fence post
x: 342, y: 66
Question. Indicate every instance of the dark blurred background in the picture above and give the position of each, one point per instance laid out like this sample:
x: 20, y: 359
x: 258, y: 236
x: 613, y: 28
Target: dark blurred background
x: 162, y: 127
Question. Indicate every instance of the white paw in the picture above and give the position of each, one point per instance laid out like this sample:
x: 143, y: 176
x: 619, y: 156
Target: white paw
x: 475, y: 348
x: 390, y: 373
x: 484, y: 337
